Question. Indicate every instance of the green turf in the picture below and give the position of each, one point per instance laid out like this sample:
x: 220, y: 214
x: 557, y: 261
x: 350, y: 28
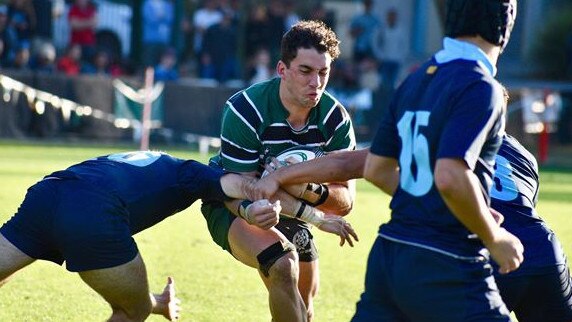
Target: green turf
x: 212, y: 285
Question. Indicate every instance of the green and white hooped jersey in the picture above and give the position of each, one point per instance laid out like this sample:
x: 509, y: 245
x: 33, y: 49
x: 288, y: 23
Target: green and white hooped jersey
x: 254, y: 126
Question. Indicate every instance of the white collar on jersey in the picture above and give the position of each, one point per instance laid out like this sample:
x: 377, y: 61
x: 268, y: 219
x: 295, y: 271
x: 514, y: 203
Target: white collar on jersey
x: 456, y: 49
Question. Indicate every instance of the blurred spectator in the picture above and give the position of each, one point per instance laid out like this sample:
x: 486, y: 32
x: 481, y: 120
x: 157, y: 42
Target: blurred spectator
x: 102, y: 65
x: 205, y: 17
x: 158, y: 18
x: 257, y: 30
x: 82, y: 18
x: 44, y: 18
x: 261, y: 68
x: 166, y: 70
x: 22, y: 17
x: 390, y: 48
x: 277, y: 23
x: 290, y: 15
x: 70, y: 62
x: 21, y: 58
x: 362, y: 29
x: 368, y: 74
x: 219, y: 59
x: 8, y: 38
x: 43, y: 57
x: 319, y: 12
x: 569, y: 52
x: 232, y: 9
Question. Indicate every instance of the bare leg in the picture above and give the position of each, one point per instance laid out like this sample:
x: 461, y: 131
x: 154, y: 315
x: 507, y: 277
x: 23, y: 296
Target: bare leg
x: 309, y: 284
x: 124, y: 287
x: 11, y: 260
x: 285, y: 301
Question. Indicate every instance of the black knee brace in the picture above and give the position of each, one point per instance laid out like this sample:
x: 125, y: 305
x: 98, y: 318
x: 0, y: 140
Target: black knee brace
x: 270, y: 255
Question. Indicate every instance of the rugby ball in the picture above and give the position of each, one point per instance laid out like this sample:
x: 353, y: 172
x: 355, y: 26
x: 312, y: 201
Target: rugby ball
x: 295, y: 155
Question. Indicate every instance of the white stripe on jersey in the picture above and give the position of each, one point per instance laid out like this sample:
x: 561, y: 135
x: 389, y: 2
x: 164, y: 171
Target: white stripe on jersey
x: 242, y: 119
x: 236, y: 145
x: 239, y: 160
x: 332, y: 109
x: 473, y: 259
x: 253, y: 106
x: 292, y: 142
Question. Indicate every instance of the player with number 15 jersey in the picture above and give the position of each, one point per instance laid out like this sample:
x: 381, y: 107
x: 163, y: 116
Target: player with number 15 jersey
x: 430, y: 118
x: 434, y: 153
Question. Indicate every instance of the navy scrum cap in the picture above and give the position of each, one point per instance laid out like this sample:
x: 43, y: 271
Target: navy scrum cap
x: 491, y: 19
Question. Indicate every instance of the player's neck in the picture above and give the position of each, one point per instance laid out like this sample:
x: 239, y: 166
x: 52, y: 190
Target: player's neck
x: 492, y: 51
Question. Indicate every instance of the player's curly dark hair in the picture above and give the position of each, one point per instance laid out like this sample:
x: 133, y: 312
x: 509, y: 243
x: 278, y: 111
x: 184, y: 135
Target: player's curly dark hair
x: 309, y: 34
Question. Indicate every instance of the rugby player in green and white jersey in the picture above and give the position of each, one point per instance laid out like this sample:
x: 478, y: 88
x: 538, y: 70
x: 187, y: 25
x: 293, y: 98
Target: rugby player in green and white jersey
x: 291, y: 110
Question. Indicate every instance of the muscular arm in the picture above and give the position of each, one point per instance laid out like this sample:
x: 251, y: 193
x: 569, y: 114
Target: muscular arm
x: 460, y: 190
x: 237, y: 186
x: 383, y: 172
x: 334, y: 168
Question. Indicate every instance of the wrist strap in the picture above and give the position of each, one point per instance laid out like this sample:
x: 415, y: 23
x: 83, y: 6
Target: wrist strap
x: 315, y: 194
x: 242, y: 210
x: 310, y: 215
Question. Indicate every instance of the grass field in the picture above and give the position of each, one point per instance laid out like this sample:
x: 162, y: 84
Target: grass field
x: 212, y: 285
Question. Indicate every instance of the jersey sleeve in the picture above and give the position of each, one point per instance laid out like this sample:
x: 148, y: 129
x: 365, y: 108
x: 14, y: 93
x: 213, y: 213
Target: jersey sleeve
x: 475, y: 119
x: 340, y: 125
x: 201, y: 181
x: 239, y: 140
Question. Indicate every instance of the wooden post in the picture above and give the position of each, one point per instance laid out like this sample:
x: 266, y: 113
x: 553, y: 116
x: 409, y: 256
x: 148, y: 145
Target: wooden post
x: 146, y: 117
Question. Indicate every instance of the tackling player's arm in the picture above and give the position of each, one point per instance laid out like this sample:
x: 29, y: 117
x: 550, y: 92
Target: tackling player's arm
x: 256, y: 211
x: 265, y: 214
x: 383, y: 172
x: 460, y: 190
x: 333, y: 167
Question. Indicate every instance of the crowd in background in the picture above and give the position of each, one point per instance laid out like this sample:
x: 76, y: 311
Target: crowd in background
x: 222, y: 41
x: 26, y: 40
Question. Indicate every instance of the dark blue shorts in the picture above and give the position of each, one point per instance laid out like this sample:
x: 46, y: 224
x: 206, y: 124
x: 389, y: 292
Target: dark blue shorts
x: 545, y: 297
x: 409, y: 283
x: 71, y: 220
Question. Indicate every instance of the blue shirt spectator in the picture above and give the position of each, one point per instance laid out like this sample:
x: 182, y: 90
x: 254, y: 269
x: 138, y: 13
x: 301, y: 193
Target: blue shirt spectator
x: 158, y: 17
x: 362, y: 28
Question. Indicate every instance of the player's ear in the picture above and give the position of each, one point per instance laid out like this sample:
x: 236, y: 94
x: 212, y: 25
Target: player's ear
x: 281, y: 68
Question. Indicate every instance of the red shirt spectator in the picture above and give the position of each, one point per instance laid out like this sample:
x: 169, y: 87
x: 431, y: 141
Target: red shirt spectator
x: 70, y: 64
x: 83, y: 20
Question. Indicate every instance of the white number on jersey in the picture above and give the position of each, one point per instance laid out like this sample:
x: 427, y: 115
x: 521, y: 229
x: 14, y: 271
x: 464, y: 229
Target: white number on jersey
x: 414, y: 147
x: 504, y: 187
x: 137, y: 158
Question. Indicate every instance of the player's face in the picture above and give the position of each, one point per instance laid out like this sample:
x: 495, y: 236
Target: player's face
x: 306, y: 78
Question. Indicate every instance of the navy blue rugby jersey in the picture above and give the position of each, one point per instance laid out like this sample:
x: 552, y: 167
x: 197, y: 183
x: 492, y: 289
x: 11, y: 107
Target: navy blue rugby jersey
x: 152, y: 185
x: 448, y: 110
x: 514, y: 194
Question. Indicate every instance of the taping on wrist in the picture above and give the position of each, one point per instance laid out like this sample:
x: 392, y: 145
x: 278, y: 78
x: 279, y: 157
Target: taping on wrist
x: 242, y: 210
x: 315, y: 194
x: 310, y: 215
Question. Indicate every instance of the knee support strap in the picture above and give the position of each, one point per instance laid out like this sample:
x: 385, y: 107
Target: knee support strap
x: 270, y: 255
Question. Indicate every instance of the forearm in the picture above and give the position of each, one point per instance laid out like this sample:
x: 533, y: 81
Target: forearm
x: 237, y: 186
x: 460, y: 190
x: 383, y: 172
x: 233, y: 206
x: 294, y: 208
x: 334, y: 167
